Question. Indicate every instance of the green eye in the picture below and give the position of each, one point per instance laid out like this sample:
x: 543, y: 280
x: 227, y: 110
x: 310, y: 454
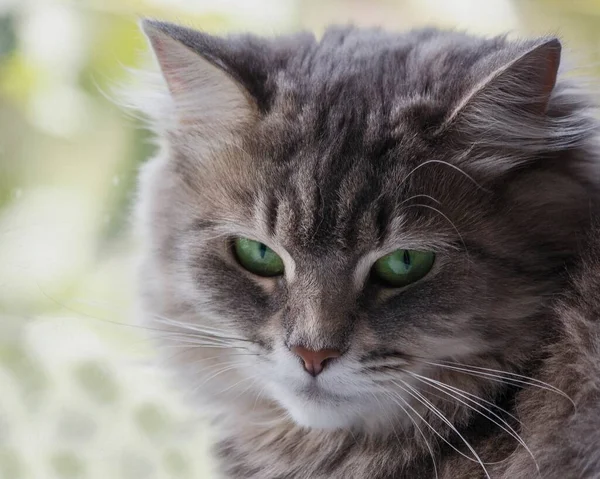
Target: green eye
x: 403, y: 267
x: 257, y: 257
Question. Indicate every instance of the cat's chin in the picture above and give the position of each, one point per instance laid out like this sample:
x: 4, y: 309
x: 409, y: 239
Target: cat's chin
x: 322, y: 414
x: 330, y: 412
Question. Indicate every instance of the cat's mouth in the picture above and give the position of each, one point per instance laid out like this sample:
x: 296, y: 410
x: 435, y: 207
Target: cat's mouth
x: 317, y: 393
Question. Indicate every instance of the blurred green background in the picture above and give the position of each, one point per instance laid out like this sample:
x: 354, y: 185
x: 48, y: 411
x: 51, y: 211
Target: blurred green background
x: 78, y: 398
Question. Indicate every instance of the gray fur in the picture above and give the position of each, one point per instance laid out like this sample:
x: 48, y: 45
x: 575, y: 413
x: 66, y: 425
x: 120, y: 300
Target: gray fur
x: 335, y: 152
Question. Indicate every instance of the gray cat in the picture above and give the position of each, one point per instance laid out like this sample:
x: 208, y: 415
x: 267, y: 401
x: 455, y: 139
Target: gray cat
x: 373, y: 254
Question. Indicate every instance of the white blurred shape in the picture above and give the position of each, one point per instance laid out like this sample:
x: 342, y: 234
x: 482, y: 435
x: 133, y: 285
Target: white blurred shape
x: 60, y: 111
x: 251, y: 14
x: 485, y: 17
x: 47, y: 238
x: 53, y: 35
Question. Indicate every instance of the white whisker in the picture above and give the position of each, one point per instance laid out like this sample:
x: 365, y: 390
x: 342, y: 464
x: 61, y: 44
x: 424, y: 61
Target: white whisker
x: 413, y: 420
x: 230, y: 366
x: 417, y: 395
x: 420, y: 205
x: 473, y: 397
x: 237, y: 383
x: 444, y: 388
x: 193, y: 344
x: 445, y: 163
x: 427, y: 423
x: 198, y: 328
x: 419, y: 196
x: 517, y: 380
x: 258, y: 395
x: 508, y: 373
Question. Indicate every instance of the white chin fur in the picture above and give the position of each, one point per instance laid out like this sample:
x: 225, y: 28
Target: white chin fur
x: 317, y: 414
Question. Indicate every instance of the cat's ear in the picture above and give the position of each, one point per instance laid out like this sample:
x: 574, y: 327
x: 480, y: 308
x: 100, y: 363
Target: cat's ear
x: 513, y: 113
x: 203, y: 94
x: 521, y: 83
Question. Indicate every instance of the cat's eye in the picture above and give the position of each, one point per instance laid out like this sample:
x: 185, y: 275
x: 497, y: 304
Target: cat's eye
x: 257, y: 257
x: 403, y: 267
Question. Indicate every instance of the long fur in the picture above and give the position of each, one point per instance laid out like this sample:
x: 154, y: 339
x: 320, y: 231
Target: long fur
x: 335, y: 153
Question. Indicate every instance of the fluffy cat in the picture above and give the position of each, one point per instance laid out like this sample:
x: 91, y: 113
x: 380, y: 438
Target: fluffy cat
x: 372, y: 252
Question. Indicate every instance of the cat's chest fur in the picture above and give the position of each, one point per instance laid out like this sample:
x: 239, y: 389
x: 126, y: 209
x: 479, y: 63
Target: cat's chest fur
x: 279, y: 453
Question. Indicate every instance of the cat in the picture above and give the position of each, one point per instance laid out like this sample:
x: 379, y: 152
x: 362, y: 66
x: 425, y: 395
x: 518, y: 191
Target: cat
x: 374, y: 252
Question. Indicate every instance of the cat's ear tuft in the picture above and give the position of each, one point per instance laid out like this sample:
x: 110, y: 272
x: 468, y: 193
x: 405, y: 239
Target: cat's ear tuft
x: 523, y: 82
x: 203, y: 94
x: 515, y: 112
x: 546, y: 58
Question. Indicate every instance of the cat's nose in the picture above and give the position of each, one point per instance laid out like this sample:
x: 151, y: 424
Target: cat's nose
x: 315, y: 361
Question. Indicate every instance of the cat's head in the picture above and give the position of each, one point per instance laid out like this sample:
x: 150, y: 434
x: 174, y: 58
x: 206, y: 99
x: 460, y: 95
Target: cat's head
x: 329, y: 221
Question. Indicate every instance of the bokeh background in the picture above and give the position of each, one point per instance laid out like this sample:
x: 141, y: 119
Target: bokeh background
x: 78, y: 396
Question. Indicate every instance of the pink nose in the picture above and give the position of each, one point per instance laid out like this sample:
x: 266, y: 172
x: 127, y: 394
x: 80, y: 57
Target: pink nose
x: 315, y: 361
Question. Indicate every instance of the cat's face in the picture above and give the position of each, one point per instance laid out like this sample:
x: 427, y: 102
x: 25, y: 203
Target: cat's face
x: 327, y: 223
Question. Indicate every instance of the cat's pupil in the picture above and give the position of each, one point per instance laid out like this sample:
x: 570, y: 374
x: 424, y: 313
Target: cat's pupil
x: 406, y: 259
x: 262, y: 250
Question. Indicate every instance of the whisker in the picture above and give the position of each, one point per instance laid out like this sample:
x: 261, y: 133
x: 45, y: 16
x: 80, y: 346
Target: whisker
x: 449, y: 221
x: 417, y: 395
x: 433, y: 461
x: 201, y: 360
x: 191, y: 345
x: 230, y: 367
x: 402, y: 366
x: 428, y: 424
x: 508, y: 373
x: 197, y: 338
x: 212, y: 334
x: 209, y: 330
x: 190, y: 327
x: 473, y: 371
x: 210, y: 367
x: 444, y: 388
x: 258, y: 395
x: 237, y: 383
x: 419, y: 196
x: 445, y: 163
x: 192, y: 335
x: 255, y: 380
x: 212, y: 376
x: 96, y: 318
x: 477, y: 399
x: 282, y: 415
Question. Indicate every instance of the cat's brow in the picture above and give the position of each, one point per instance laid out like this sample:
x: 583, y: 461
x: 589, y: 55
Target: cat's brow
x: 400, y: 241
x: 233, y: 228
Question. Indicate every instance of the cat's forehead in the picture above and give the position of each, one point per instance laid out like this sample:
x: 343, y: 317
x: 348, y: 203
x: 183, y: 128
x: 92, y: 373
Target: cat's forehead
x: 350, y: 199
x: 357, y: 67
x: 333, y: 181
x: 336, y: 178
